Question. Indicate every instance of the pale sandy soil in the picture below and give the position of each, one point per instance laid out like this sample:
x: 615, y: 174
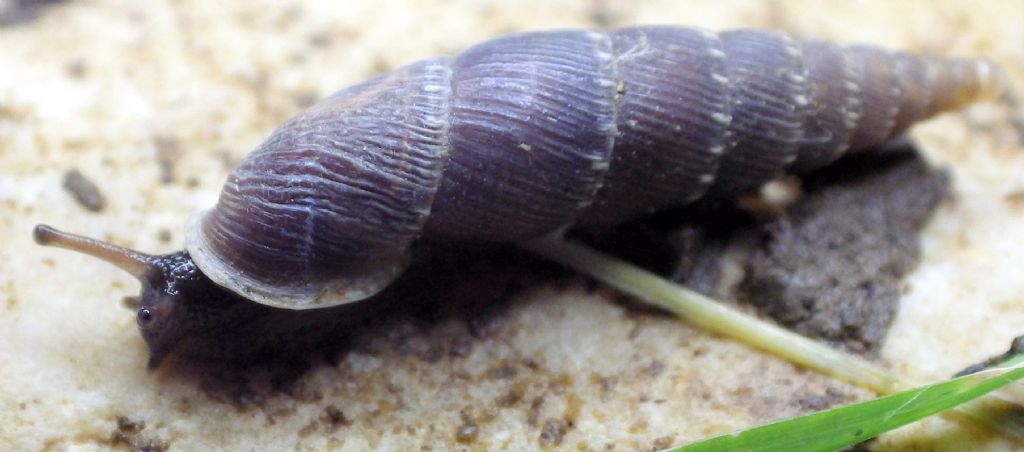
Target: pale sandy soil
x: 154, y: 101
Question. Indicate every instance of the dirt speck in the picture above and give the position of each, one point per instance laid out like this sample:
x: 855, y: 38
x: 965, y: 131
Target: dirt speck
x: 573, y: 407
x: 128, y: 433
x: 512, y: 397
x: 663, y: 442
x: 603, y: 16
x: 164, y: 235
x: 553, y: 432
x: 305, y: 98
x: 533, y: 413
x: 818, y: 402
x: 502, y: 371
x: 76, y: 68
x: 380, y: 66
x: 168, y: 150
x: 321, y: 39
x: 85, y: 192
x: 308, y: 429
x: 335, y: 418
x: 12, y: 297
x: 1015, y: 198
x: 468, y: 431
x: 654, y: 369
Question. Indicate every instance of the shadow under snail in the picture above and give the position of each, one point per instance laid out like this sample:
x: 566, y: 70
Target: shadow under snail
x: 514, y: 139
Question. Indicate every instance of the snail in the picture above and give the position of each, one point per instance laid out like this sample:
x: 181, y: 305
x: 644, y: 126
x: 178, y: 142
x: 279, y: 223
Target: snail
x: 514, y: 139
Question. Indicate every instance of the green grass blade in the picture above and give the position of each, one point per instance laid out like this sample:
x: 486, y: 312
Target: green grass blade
x: 1000, y: 414
x: 851, y: 424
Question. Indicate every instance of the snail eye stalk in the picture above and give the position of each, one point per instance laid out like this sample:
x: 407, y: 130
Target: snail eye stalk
x: 136, y: 263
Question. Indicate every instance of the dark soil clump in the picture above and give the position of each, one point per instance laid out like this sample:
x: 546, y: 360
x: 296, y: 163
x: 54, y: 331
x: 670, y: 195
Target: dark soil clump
x: 831, y: 267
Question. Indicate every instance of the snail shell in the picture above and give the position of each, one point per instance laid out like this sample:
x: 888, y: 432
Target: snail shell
x: 523, y: 135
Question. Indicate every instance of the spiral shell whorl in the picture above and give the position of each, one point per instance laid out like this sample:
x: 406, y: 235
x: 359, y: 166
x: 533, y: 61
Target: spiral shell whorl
x: 672, y: 119
x: 340, y: 190
x: 524, y: 135
x: 533, y: 124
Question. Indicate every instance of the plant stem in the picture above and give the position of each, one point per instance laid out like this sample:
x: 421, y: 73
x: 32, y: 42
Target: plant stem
x: 719, y: 318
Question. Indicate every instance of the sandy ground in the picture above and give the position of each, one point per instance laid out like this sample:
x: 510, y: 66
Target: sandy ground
x: 154, y: 102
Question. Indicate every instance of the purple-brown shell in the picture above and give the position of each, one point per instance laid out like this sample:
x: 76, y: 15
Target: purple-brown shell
x: 525, y: 135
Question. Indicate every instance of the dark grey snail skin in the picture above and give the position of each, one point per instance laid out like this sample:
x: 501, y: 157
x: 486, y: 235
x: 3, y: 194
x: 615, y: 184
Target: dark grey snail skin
x: 522, y: 136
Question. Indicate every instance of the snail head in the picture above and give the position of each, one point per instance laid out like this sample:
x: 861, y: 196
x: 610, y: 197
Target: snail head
x: 177, y: 303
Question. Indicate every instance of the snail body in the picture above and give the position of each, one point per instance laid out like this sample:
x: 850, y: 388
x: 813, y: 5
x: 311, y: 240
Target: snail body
x: 525, y: 135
